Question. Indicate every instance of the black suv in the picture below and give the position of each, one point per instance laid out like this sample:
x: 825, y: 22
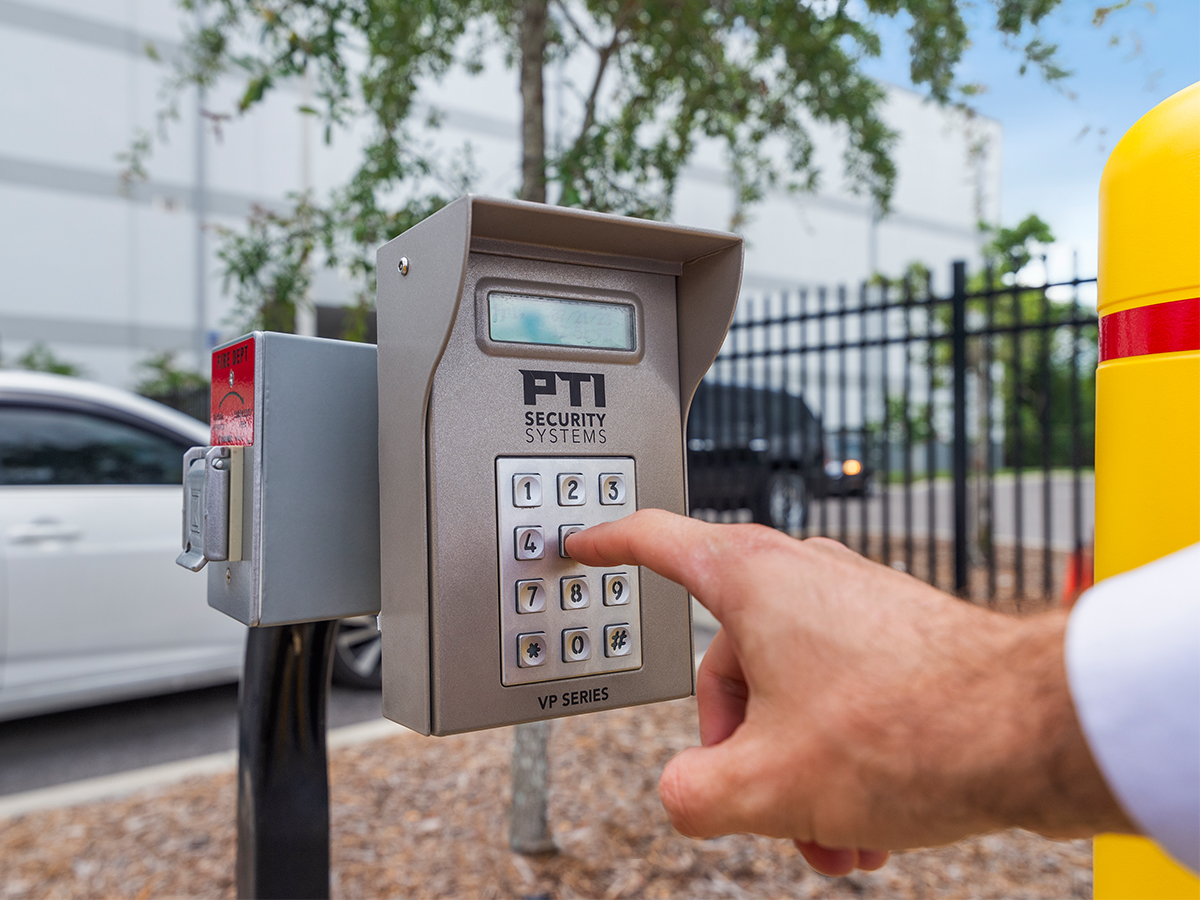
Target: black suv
x: 754, y: 448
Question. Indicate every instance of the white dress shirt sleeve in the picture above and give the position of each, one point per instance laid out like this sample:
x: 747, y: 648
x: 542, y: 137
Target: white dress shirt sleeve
x: 1133, y: 666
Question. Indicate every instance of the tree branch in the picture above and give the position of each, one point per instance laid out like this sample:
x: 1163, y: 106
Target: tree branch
x: 561, y: 4
x: 605, y: 53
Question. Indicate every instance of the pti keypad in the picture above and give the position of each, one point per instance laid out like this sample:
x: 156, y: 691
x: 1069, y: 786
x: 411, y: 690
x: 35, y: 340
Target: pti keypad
x: 560, y: 619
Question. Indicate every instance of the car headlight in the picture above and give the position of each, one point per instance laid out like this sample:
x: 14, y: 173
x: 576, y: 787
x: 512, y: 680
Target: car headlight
x: 852, y: 467
x: 833, y: 469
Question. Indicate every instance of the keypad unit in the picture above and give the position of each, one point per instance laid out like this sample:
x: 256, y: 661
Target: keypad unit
x: 560, y: 619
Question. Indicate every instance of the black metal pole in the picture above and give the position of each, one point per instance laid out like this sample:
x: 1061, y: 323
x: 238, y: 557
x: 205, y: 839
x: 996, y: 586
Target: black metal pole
x: 960, y: 428
x: 283, y: 777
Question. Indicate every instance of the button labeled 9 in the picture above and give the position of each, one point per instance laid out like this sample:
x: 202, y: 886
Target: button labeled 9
x: 616, y: 589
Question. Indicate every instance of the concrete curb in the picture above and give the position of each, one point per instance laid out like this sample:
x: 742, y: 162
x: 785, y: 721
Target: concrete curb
x: 108, y: 787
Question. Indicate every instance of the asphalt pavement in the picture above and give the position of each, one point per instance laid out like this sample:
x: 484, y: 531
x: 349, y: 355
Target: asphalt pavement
x: 57, y: 748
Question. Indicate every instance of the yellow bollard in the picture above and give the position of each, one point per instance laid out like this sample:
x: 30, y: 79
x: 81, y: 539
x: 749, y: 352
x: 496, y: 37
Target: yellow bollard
x: 1148, y: 396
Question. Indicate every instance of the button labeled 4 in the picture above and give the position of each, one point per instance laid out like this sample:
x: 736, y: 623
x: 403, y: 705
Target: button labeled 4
x: 530, y: 542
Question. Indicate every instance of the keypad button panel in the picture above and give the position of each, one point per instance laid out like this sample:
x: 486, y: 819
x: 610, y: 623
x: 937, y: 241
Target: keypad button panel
x: 555, y: 631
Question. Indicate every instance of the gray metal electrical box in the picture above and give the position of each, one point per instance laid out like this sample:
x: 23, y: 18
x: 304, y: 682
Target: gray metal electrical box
x: 536, y: 365
x: 284, y: 506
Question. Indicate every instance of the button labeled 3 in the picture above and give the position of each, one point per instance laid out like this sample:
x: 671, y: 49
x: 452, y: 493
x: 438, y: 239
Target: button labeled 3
x: 570, y: 490
x: 530, y: 542
x: 527, y: 490
x: 612, y: 490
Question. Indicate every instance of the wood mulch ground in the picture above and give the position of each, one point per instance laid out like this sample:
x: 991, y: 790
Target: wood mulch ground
x: 426, y: 817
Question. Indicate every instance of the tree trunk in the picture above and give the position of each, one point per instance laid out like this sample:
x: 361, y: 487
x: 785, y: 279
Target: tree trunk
x: 533, y: 100
x: 528, y: 825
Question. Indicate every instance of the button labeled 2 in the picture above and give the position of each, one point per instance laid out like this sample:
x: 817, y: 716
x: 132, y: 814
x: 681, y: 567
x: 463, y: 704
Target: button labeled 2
x: 570, y: 490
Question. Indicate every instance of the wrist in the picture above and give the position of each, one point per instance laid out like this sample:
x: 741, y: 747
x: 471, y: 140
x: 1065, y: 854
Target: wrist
x: 1039, y: 773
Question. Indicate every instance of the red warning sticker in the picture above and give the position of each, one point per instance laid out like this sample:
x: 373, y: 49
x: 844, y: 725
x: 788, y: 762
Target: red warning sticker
x: 233, y: 395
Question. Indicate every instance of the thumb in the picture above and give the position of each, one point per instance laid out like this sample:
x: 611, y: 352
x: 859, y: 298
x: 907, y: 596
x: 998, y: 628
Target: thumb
x: 705, y: 789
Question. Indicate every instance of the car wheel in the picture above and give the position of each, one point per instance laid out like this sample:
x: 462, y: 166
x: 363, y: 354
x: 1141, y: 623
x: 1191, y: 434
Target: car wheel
x: 357, y: 653
x: 784, y: 502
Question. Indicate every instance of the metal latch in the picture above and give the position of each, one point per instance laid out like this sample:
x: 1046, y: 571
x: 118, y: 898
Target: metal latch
x: 212, y: 506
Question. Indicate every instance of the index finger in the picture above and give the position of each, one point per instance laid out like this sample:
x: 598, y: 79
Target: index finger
x: 695, y: 554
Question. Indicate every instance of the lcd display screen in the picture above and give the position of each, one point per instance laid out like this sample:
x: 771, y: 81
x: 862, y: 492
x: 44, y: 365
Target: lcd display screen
x: 528, y: 319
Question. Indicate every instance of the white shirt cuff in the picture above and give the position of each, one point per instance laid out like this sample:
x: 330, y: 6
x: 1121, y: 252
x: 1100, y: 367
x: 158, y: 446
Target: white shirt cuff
x: 1133, y: 665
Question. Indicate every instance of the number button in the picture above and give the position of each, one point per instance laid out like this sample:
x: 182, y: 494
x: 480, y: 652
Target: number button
x: 531, y: 650
x: 531, y: 596
x: 577, y: 646
x: 616, y: 589
x: 574, y: 593
x: 618, y: 641
x: 563, y: 532
x: 530, y: 542
x: 570, y: 490
x: 612, y: 490
x: 527, y: 490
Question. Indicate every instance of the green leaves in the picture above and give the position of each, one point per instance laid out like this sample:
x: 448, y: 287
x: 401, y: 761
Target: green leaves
x: 643, y: 85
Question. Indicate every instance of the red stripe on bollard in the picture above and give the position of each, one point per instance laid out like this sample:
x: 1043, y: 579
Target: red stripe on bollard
x: 1160, y: 328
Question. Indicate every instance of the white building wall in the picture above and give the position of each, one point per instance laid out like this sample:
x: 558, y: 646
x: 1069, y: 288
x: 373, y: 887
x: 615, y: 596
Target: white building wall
x: 105, y: 276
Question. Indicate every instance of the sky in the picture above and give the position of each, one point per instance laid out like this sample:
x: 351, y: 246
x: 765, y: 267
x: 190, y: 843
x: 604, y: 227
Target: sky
x: 1057, y: 139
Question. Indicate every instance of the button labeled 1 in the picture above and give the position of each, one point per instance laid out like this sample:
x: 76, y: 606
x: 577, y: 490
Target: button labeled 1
x: 612, y: 490
x: 527, y: 490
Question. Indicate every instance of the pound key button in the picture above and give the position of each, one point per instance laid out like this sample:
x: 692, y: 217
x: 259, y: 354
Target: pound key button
x: 618, y: 640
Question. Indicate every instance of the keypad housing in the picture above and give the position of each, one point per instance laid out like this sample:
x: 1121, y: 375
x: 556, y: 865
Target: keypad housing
x: 557, y: 616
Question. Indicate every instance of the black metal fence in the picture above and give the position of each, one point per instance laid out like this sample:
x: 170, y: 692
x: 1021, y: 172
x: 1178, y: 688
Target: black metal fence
x: 191, y: 401
x: 950, y: 436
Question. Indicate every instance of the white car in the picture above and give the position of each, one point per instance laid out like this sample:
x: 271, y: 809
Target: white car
x: 93, y: 607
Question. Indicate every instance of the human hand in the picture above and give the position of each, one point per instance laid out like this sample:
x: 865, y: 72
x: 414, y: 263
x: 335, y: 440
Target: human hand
x: 846, y: 705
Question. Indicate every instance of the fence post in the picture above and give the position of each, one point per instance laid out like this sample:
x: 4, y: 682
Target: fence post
x: 283, y: 777
x: 959, y: 330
